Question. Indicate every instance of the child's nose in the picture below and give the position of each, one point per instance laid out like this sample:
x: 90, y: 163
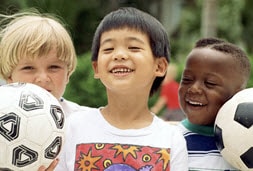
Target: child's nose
x: 195, y: 88
x: 42, y: 77
x: 120, y: 55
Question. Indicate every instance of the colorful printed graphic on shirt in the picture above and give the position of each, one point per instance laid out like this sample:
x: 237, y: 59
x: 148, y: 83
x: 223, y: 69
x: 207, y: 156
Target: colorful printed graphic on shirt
x: 111, y: 157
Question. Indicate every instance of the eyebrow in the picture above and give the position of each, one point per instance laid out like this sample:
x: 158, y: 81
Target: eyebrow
x: 130, y: 38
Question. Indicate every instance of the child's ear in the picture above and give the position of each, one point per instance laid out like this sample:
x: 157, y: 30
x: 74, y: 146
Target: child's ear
x: 95, y: 69
x: 161, y: 66
x: 9, y: 80
x: 68, y: 76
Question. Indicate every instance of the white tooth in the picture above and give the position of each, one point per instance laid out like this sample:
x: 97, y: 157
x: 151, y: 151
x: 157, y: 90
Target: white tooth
x: 121, y: 70
x: 195, y: 103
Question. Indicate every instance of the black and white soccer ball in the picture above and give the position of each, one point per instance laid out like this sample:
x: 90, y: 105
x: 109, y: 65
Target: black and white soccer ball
x: 234, y: 130
x: 31, y: 127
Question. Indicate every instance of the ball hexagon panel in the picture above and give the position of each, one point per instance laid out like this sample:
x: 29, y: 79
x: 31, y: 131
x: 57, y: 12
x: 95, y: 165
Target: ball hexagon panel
x: 244, y: 114
x: 218, y: 137
x: 247, y: 158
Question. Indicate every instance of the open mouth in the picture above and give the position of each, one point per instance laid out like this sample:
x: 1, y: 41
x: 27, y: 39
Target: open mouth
x: 194, y: 103
x: 121, y: 70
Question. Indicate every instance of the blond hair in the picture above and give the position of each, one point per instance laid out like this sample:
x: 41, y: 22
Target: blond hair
x: 32, y: 35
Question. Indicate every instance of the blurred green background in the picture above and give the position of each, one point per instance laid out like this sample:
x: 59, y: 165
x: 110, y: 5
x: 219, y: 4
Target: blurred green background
x: 186, y: 21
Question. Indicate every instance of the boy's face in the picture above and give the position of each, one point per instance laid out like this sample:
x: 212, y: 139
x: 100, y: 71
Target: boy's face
x: 46, y: 71
x: 209, y: 79
x: 126, y: 63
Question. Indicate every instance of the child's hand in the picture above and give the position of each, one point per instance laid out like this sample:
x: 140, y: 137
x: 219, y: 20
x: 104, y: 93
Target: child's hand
x: 51, y: 167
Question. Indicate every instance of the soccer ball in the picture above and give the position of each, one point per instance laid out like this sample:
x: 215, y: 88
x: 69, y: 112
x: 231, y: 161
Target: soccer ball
x: 234, y: 131
x: 31, y: 127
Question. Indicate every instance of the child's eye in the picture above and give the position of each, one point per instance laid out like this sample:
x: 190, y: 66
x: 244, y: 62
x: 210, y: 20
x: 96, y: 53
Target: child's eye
x: 54, y: 67
x: 186, y: 80
x: 210, y: 84
x: 27, y: 68
x: 108, y: 49
x: 134, y: 48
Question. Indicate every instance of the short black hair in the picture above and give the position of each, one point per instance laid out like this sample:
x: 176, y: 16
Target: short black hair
x: 234, y: 51
x: 129, y: 17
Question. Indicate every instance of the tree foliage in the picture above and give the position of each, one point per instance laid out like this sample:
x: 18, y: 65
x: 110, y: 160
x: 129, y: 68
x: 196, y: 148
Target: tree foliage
x: 82, y: 87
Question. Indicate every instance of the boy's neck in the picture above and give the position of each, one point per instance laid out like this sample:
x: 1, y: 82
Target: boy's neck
x: 124, y: 118
x: 128, y: 110
x: 200, y: 129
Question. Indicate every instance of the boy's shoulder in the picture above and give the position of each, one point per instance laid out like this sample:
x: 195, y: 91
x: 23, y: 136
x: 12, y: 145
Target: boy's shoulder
x: 169, y: 127
x: 84, y: 110
x: 70, y: 107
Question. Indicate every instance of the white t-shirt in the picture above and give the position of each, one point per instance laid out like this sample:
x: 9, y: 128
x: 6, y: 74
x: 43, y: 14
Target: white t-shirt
x: 92, y: 142
x: 70, y: 107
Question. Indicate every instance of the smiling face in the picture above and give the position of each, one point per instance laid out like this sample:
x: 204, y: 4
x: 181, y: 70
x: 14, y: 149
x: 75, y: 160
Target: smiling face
x: 46, y: 71
x: 126, y: 62
x: 209, y: 79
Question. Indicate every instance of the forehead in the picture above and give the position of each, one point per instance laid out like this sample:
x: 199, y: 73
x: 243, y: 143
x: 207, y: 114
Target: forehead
x: 50, y: 55
x: 123, y: 33
x: 210, y: 59
x: 205, y: 62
